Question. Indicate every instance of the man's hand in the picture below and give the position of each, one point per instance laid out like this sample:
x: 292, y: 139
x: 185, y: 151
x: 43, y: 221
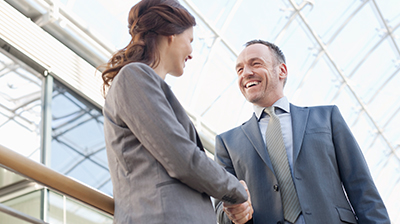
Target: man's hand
x: 240, y: 213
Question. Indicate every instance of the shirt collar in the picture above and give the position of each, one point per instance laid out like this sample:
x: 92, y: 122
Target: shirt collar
x: 282, y: 103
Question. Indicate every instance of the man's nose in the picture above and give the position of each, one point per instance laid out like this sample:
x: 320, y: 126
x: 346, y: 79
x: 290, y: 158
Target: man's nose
x: 247, y: 71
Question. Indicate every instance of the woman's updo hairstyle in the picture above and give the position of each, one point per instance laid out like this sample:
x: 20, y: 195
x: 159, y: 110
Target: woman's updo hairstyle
x: 148, y: 19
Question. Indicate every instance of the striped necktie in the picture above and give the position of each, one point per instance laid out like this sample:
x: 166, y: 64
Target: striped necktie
x: 277, y: 153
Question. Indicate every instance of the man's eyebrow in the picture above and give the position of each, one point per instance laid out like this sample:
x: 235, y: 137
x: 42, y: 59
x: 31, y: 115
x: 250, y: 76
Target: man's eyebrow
x: 254, y: 59
x: 238, y: 65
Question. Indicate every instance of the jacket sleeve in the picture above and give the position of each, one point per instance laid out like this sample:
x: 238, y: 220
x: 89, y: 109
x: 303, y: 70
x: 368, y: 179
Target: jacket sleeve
x: 222, y: 158
x: 145, y: 110
x: 355, y: 174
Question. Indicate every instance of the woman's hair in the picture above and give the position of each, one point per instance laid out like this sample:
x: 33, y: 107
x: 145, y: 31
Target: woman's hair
x: 147, y: 19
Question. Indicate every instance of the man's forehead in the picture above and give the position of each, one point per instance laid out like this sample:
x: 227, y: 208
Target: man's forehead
x: 253, y: 51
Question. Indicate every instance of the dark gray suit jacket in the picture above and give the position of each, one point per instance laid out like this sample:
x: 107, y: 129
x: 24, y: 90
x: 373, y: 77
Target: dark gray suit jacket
x: 158, y: 167
x: 327, y: 160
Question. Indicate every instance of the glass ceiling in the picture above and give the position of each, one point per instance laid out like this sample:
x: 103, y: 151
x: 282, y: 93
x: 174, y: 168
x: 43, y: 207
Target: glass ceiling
x: 343, y: 52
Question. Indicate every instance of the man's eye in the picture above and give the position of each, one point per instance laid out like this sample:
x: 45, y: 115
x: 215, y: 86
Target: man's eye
x: 239, y: 70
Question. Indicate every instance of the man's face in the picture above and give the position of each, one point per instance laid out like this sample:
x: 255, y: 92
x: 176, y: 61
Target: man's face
x: 260, y: 76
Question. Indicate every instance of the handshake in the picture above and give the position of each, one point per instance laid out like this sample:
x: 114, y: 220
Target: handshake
x: 240, y: 213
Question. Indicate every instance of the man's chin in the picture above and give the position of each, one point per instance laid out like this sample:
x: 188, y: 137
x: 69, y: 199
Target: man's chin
x: 253, y: 99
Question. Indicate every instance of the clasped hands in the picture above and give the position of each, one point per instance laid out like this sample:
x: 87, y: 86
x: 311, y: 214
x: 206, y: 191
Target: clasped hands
x: 240, y: 213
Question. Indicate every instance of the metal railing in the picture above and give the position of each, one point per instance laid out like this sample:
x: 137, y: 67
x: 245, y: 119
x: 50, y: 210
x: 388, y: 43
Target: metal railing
x: 20, y: 215
x: 56, y: 181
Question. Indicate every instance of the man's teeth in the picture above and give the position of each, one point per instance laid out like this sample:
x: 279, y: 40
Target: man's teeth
x: 250, y: 84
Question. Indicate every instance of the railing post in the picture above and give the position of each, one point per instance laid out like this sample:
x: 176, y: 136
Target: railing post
x: 47, y: 96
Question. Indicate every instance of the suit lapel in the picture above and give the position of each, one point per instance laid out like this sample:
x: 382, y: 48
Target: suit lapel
x: 299, y: 122
x: 252, y: 132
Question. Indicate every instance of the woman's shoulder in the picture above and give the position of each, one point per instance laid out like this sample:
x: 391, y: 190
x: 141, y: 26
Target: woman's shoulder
x: 135, y: 72
x: 137, y: 67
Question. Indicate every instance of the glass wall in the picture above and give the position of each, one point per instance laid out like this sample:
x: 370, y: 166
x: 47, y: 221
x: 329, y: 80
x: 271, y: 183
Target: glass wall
x: 34, y: 200
x: 28, y: 203
x: 64, y: 210
x: 34, y: 109
x: 77, y: 139
x: 77, y: 146
x: 20, y: 106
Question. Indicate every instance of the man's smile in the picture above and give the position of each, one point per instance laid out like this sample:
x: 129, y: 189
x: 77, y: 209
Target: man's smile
x: 251, y: 84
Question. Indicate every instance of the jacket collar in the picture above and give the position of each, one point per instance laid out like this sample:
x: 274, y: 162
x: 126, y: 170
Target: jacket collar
x: 252, y: 132
x: 282, y: 103
x: 299, y: 121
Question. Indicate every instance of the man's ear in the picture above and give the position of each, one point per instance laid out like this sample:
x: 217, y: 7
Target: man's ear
x: 283, y: 73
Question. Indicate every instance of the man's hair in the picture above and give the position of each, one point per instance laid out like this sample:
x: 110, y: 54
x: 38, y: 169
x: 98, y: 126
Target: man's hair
x: 280, y: 57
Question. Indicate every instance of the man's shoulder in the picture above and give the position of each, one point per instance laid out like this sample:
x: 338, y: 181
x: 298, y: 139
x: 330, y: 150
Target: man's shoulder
x: 316, y: 112
x: 236, y: 130
x: 318, y: 107
x: 233, y: 130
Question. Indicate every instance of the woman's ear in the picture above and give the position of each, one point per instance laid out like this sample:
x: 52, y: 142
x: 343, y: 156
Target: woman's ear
x: 171, y: 38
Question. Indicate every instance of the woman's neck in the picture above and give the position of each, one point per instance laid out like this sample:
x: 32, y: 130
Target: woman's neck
x: 160, y: 71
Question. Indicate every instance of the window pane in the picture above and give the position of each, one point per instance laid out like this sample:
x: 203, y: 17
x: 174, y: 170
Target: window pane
x: 78, y: 148
x: 20, y: 107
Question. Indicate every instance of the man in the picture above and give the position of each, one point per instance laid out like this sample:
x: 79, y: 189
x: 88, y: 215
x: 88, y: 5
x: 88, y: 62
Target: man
x: 329, y: 181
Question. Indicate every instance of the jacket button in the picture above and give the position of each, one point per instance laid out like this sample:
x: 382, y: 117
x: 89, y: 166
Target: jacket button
x: 276, y: 187
x: 279, y: 222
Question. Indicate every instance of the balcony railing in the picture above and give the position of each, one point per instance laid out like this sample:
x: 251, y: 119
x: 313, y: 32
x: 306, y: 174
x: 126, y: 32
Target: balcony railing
x: 52, y: 180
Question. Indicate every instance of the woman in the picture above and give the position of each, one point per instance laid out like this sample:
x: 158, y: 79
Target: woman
x: 158, y: 167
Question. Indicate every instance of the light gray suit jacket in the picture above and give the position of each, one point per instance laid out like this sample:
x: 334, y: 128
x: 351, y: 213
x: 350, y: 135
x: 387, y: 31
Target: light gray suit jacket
x: 158, y: 167
x: 327, y: 159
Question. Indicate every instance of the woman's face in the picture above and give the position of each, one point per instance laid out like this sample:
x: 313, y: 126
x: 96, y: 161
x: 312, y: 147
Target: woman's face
x: 180, y: 51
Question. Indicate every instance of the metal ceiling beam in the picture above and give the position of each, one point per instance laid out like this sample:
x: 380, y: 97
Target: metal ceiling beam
x: 364, y: 59
x: 209, y: 135
x: 388, y: 29
x: 345, y: 80
x: 44, y: 52
x: 321, y: 53
x: 292, y: 17
x: 217, y: 39
x: 212, y: 52
x: 384, y: 84
x: 197, y: 12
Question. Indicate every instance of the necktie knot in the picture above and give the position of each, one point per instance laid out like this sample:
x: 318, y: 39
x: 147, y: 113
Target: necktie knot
x: 270, y: 111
